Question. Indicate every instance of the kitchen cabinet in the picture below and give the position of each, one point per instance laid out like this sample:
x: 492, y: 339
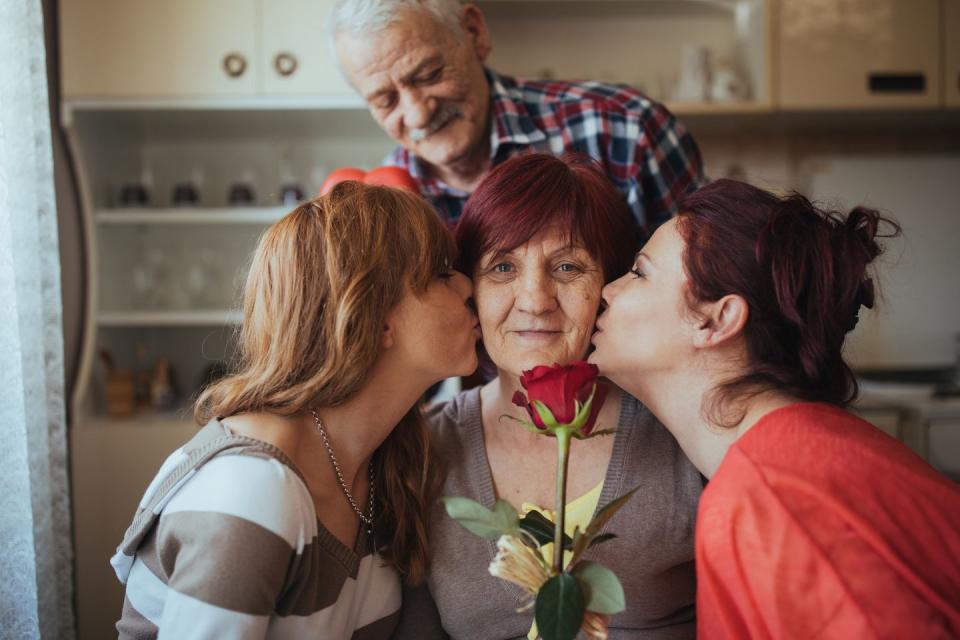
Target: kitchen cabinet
x: 646, y: 44
x: 119, y: 48
x: 197, y: 49
x: 296, y: 57
x: 951, y: 71
x: 859, y: 54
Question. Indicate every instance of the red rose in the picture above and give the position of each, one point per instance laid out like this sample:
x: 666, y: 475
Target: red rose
x: 560, y: 388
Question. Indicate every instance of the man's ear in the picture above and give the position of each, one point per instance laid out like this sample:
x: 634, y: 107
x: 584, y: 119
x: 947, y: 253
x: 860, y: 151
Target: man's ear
x: 721, y: 321
x: 475, y: 27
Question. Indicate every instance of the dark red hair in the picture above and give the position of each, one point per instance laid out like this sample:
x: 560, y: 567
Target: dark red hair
x: 802, y: 271
x: 527, y: 193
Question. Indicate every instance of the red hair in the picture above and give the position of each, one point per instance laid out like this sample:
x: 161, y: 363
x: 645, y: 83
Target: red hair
x: 802, y: 271
x: 527, y: 193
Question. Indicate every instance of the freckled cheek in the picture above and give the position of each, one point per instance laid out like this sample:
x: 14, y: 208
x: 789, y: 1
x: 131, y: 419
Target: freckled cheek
x: 492, y: 310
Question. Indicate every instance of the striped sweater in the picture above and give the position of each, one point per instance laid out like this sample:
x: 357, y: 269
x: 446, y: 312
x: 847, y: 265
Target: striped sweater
x: 226, y: 544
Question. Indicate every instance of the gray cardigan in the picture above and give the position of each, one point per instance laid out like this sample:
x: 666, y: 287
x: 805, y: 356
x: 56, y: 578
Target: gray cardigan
x: 652, y: 555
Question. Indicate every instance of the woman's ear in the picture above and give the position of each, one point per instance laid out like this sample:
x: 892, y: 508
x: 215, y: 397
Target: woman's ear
x: 386, y: 336
x: 721, y: 321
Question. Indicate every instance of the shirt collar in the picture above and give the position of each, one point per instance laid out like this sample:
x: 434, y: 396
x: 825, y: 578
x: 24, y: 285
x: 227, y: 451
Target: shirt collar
x: 512, y: 123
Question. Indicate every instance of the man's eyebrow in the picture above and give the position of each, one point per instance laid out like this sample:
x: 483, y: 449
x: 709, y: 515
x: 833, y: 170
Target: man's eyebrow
x: 429, y: 62
x: 407, y: 78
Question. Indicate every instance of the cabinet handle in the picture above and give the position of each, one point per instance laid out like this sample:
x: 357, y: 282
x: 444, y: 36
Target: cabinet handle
x: 897, y: 82
x: 285, y: 63
x: 234, y: 64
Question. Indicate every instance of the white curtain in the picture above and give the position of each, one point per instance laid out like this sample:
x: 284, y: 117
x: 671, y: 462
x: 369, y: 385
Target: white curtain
x: 35, y: 549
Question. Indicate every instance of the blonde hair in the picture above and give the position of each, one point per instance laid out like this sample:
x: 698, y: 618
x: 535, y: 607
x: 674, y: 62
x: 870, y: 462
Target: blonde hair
x: 322, y: 280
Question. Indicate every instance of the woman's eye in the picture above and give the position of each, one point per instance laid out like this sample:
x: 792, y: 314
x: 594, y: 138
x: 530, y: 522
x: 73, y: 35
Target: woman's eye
x: 445, y: 275
x: 503, y: 267
x: 568, y: 267
x: 636, y: 272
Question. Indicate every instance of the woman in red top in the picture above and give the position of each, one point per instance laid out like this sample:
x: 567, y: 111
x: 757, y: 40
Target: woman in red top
x: 814, y: 524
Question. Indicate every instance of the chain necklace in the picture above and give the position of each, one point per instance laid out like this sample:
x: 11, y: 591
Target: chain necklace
x: 366, y: 519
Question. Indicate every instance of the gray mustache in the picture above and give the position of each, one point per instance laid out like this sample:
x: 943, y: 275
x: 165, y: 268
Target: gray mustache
x: 441, y: 116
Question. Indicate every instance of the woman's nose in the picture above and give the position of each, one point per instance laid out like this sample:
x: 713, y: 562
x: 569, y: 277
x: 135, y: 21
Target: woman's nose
x: 537, y: 294
x: 607, y: 294
x: 463, y: 285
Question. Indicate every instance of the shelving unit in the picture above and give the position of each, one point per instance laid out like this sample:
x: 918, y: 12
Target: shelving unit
x: 164, y: 279
x: 190, y: 318
x: 643, y: 44
x: 192, y: 215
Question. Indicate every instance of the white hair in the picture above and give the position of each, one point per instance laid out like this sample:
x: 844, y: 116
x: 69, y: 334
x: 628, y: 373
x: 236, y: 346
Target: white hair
x: 365, y: 17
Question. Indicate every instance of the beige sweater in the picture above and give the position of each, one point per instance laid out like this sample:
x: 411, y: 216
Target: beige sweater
x: 652, y: 555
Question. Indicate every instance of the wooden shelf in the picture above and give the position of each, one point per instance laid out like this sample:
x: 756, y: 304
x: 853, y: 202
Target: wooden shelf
x: 192, y: 215
x: 717, y: 108
x: 181, y: 419
x: 160, y: 318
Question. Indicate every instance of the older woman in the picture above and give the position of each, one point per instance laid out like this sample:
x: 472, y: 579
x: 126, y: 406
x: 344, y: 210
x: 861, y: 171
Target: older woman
x: 730, y: 327
x: 540, y: 237
x: 295, y: 511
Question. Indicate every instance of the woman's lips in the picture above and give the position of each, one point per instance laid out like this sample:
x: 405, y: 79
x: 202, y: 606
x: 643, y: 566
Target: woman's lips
x: 537, y: 334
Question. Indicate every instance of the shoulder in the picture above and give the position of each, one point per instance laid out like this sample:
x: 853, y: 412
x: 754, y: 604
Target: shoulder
x: 456, y: 426
x: 820, y: 436
x: 457, y: 416
x: 241, y: 490
x: 588, y: 95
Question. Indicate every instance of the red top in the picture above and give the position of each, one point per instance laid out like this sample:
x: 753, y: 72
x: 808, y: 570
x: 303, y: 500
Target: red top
x: 819, y: 525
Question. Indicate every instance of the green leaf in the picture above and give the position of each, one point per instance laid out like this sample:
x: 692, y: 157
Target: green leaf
x: 559, y: 608
x: 529, y: 426
x: 600, y: 539
x: 608, y: 512
x: 603, y: 592
x: 479, y: 520
x: 546, y: 416
x: 542, y: 529
x: 583, y: 411
x: 594, y: 434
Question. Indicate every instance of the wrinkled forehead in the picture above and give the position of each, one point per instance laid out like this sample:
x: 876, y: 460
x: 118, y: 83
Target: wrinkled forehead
x: 550, y: 239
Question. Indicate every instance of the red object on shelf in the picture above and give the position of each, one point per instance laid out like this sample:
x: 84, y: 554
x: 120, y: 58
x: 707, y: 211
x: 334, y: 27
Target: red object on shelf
x: 384, y: 176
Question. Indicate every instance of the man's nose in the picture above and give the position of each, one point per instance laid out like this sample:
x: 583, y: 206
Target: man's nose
x: 418, y: 109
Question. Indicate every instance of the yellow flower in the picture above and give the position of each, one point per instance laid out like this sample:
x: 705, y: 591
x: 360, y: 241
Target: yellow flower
x: 516, y: 562
x: 595, y: 625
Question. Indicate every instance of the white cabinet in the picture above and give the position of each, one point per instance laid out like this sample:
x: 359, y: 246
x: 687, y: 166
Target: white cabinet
x: 859, y: 54
x: 296, y: 58
x: 951, y: 71
x: 643, y: 44
x: 196, y: 49
x: 134, y: 48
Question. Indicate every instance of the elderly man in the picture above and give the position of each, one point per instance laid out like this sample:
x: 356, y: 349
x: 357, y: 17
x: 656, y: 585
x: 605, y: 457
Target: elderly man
x: 419, y: 65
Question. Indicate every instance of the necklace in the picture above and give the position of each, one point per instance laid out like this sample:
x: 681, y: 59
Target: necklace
x: 367, y: 518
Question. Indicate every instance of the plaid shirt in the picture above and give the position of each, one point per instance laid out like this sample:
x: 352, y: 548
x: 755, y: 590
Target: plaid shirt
x: 645, y: 150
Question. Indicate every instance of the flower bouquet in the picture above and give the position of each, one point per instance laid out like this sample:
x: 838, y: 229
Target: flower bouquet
x: 563, y: 402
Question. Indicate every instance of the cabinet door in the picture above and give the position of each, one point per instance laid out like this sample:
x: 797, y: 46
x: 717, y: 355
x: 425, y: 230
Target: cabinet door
x: 852, y: 54
x: 171, y: 48
x: 951, y: 76
x: 296, y: 57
